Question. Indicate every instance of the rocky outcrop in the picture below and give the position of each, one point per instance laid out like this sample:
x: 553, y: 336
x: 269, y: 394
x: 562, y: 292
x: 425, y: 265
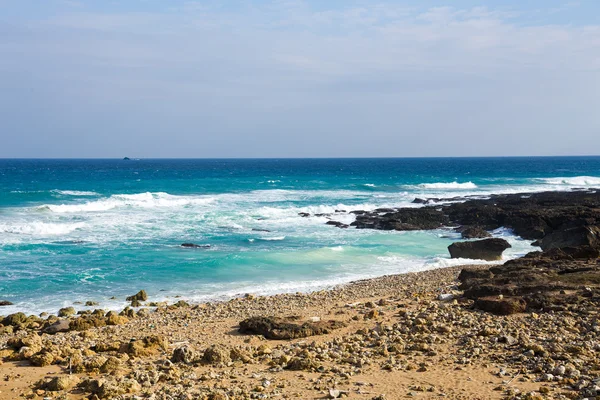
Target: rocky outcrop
x: 486, y: 249
x: 531, y: 216
x: 5, y: 303
x: 403, y: 219
x: 572, y: 237
x: 279, y: 329
x: 474, y: 232
x: 540, y: 281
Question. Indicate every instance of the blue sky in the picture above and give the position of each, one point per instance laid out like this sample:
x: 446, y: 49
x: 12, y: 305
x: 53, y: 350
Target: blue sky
x: 294, y: 78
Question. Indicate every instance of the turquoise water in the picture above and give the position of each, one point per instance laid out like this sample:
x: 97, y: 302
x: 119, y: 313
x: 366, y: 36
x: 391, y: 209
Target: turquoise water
x: 78, y: 230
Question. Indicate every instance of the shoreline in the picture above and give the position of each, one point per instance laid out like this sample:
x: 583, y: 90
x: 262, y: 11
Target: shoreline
x: 423, y: 355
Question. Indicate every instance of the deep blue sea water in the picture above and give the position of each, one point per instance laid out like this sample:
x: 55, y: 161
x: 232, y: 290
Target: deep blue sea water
x: 78, y: 230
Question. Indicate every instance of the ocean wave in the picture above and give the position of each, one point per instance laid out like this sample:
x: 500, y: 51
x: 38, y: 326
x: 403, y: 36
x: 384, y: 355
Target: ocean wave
x: 140, y: 200
x: 448, y: 185
x: 572, y: 181
x: 74, y: 192
x: 41, y: 228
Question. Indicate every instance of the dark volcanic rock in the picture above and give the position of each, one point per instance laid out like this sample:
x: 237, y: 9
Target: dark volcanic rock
x: 487, y: 249
x: 195, y: 246
x: 279, y: 329
x: 551, y: 280
x: 337, y: 223
x: 474, y: 232
x: 572, y: 237
x: 5, y: 303
x: 403, y: 219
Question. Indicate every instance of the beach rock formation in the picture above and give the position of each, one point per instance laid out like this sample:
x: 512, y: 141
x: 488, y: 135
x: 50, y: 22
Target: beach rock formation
x: 5, y: 303
x: 540, y: 281
x: 279, y: 329
x: 486, y: 249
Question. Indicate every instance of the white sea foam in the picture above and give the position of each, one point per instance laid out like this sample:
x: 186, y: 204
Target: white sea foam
x: 37, y: 228
x: 270, y: 239
x: 448, y: 185
x: 572, y: 181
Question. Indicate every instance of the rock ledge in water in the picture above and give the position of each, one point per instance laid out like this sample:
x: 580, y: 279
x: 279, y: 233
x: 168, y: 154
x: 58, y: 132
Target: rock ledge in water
x: 486, y: 249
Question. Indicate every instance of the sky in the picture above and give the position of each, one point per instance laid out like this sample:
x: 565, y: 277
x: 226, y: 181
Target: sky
x: 299, y: 78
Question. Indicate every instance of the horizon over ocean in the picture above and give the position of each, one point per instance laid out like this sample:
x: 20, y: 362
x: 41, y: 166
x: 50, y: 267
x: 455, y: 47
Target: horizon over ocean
x: 73, y: 230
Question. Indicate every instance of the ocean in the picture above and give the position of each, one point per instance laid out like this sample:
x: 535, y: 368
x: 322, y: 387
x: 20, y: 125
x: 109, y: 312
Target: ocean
x: 73, y: 231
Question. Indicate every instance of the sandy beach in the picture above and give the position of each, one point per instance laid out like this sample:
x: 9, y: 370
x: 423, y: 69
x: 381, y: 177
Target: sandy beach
x: 398, y: 340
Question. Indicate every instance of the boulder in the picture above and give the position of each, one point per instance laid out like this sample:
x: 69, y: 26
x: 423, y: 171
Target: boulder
x: 280, y: 329
x: 5, y: 303
x: 62, y: 325
x: 474, y: 232
x: 486, y: 249
x: 66, y: 312
x: 139, y: 296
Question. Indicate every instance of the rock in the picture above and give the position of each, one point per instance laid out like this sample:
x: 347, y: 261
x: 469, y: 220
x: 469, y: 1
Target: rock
x: 572, y: 237
x: 195, y: 246
x: 304, y: 214
x: 403, y: 219
x: 280, y: 329
x: 60, y: 383
x: 110, y: 365
x: 446, y: 297
x: 501, y: 306
x: 183, y: 354
x: 337, y: 224
x: 145, y: 347
x: 474, y: 232
x: 5, y: 303
x: 217, y: 354
x: 91, y: 303
x: 508, y: 339
x: 59, y: 326
x: 66, y: 312
x: 15, y: 319
x: 139, y: 296
x: 334, y: 393
x: 42, y: 359
x: 486, y: 249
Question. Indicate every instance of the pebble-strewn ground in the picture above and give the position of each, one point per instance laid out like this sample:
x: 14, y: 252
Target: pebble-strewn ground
x: 399, y: 341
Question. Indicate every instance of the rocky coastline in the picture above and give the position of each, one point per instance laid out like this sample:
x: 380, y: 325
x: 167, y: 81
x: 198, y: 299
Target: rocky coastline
x: 527, y: 329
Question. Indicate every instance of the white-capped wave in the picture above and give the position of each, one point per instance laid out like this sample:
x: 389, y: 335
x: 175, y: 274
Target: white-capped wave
x: 41, y: 228
x: 448, y: 185
x: 140, y: 200
x: 75, y: 192
x: 572, y: 181
x: 275, y: 238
